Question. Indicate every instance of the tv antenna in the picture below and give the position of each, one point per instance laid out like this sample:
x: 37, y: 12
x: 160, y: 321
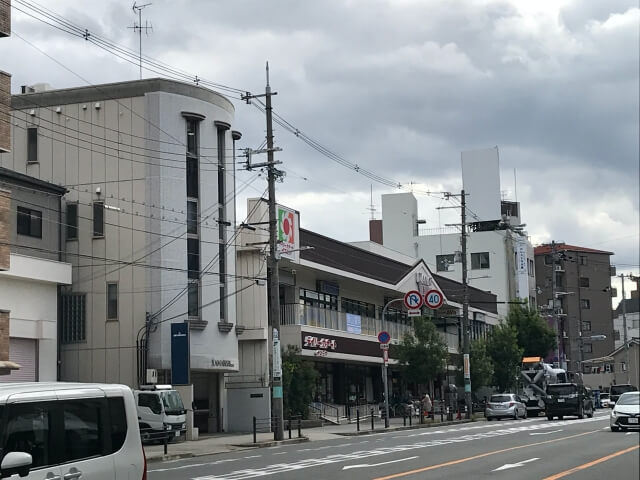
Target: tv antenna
x: 372, y: 208
x: 139, y: 27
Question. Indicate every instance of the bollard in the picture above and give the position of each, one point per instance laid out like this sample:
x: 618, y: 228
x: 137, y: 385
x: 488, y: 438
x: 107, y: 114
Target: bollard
x: 289, y: 427
x: 372, y: 419
x: 358, y: 419
x: 166, y: 437
x: 299, y: 427
x: 441, y: 414
x: 254, y: 430
x: 410, y: 419
x: 274, y: 423
x: 404, y: 419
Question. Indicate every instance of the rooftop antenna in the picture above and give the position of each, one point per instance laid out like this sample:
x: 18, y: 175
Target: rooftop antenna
x: 372, y: 207
x: 139, y: 27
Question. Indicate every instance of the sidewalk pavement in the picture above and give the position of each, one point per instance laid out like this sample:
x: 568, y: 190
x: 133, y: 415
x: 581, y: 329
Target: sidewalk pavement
x: 231, y: 442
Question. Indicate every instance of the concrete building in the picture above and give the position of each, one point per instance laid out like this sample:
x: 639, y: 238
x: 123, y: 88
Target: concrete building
x: 5, y: 81
x: 150, y: 173
x: 632, y: 307
x: 500, y: 259
x: 582, y: 296
x: 31, y: 274
x: 614, y: 368
x: 332, y: 296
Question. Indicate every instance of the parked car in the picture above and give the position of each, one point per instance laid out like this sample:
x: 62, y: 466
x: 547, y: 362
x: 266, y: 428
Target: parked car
x: 616, y: 390
x: 69, y: 430
x: 568, y: 399
x: 626, y: 412
x: 505, y: 405
x: 161, y: 412
x: 604, y: 400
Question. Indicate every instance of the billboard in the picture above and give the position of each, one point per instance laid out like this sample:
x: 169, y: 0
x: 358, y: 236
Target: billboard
x: 288, y: 233
x: 180, y: 354
x: 481, y: 183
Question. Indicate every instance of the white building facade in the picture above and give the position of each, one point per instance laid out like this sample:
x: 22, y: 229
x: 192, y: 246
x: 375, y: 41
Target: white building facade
x: 148, y: 229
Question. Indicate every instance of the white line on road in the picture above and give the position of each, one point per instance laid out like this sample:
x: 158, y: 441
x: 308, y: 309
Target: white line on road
x: 280, y: 453
x: 546, y: 433
x: 366, y: 465
x: 507, y: 466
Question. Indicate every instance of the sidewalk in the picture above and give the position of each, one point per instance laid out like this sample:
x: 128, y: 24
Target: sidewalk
x: 231, y: 442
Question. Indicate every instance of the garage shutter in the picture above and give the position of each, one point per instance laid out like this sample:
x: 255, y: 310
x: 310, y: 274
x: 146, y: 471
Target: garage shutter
x: 23, y: 352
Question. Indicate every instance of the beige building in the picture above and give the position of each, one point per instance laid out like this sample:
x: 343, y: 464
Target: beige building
x: 148, y: 228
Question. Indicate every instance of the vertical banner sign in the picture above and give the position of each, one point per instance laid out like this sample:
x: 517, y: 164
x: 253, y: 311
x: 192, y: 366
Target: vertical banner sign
x: 180, y: 353
x: 277, y: 358
x: 288, y: 233
x: 467, y: 367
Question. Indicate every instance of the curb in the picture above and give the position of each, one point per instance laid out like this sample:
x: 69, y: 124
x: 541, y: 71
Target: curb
x: 412, y: 427
x: 237, y: 447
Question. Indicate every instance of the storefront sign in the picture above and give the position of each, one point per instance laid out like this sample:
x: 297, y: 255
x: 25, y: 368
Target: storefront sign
x: 221, y: 363
x: 326, y: 345
x: 180, y: 353
x: 354, y: 323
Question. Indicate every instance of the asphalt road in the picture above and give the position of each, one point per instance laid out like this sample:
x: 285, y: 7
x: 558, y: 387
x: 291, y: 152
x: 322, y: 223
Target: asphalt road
x: 524, y: 449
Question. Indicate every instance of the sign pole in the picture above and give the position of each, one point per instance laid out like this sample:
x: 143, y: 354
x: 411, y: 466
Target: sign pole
x: 386, y: 394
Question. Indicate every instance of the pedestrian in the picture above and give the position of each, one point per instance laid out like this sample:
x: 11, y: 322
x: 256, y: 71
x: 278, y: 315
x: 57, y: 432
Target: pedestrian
x: 426, y: 404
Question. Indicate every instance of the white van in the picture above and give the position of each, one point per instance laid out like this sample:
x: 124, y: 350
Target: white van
x: 57, y: 430
x: 161, y: 413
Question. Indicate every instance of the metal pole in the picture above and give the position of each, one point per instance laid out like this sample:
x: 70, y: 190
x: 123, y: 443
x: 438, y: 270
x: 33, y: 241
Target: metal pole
x: 386, y: 394
x: 624, y: 328
x: 465, y: 304
x: 254, y: 430
x: 553, y: 300
x: 274, y: 275
x: 372, y: 419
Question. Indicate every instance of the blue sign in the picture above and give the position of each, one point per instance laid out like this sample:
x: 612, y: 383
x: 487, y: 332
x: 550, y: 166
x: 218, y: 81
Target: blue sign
x: 180, y: 354
x: 354, y: 323
x: 384, y: 337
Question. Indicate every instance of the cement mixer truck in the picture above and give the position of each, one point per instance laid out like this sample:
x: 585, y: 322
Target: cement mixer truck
x: 535, y: 375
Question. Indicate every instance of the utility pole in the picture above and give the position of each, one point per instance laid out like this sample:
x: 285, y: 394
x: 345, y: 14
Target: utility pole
x: 554, y: 313
x: 466, y: 347
x: 624, y: 328
x: 138, y: 28
x: 272, y: 262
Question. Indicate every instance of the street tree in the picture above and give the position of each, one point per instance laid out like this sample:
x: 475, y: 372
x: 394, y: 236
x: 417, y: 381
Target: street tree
x: 535, y: 336
x: 422, y: 355
x: 506, y: 355
x: 298, y: 382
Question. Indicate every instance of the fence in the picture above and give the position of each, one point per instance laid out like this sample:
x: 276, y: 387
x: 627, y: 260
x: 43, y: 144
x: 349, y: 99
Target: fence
x: 267, y: 425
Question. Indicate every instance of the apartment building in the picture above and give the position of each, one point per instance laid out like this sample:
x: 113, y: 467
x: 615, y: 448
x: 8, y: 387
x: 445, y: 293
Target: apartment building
x: 151, y: 179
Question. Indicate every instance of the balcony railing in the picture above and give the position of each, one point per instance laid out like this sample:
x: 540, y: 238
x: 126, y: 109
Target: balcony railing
x: 295, y: 314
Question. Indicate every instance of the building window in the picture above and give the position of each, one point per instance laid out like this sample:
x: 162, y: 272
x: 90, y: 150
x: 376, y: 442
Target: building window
x: 357, y: 307
x: 582, y: 260
x: 112, y: 301
x: 586, y: 326
x: 584, y: 281
x: 548, y: 260
x: 192, y: 137
x: 587, y: 348
x: 29, y: 222
x: 479, y: 260
x: 312, y: 298
x: 192, y: 177
x: 585, y: 304
x: 72, y: 221
x: 194, y: 299
x: 616, y: 335
x: 192, y: 217
x: 531, y: 268
x: 32, y: 145
x: 193, y: 257
x: 73, y: 317
x: 98, y: 219
x: 443, y: 262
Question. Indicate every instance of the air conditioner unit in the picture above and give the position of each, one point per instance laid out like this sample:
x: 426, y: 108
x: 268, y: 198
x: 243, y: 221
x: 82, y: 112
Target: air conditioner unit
x: 607, y: 368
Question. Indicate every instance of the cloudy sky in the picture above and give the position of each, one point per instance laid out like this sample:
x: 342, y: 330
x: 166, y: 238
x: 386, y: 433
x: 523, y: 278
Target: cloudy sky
x: 400, y: 87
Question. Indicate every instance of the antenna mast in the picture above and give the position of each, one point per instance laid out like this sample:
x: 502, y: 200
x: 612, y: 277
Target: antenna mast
x: 139, y: 27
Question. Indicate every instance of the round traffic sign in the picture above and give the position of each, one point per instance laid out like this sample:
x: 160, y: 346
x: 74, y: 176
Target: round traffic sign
x: 412, y: 300
x: 433, y: 299
x: 384, y: 337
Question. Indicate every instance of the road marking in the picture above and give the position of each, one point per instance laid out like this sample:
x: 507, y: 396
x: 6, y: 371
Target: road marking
x: 591, y: 464
x: 507, y: 466
x: 367, y: 465
x: 280, y: 453
x: 630, y: 433
x: 545, y: 433
x: 475, y: 457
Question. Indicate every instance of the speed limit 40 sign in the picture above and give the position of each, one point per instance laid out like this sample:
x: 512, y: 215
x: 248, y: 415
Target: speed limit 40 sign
x: 433, y: 299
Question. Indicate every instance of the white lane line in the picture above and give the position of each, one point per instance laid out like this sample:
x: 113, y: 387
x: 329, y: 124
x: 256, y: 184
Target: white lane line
x: 546, y: 433
x: 280, y: 453
x: 507, y: 466
x: 253, y: 456
x: 367, y: 465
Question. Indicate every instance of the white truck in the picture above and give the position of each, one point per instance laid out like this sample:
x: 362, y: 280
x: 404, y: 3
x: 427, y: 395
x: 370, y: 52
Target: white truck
x: 535, y: 376
x: 161, y: 413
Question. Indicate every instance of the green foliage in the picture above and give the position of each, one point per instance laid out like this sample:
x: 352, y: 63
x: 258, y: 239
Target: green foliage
x: 502, y: 347
x: 422, y: 354
x: 535, y: 336
x: 481, y: 365
x: 298, y: 382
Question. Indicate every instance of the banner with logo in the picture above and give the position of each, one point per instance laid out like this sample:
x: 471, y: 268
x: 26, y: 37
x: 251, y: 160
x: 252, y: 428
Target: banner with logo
x: 288, y: 233
x: 180, y: 354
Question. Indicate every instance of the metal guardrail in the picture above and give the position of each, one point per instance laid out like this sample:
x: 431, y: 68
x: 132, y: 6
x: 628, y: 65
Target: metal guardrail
x: 267, y: 425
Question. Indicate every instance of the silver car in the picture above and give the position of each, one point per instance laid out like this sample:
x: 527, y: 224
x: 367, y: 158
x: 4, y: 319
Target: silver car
x: 505, y: 405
